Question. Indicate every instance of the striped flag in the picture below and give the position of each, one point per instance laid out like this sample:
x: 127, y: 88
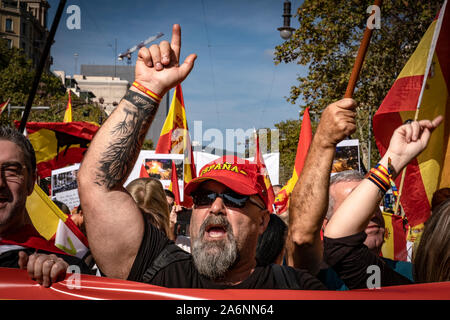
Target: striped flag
x: 143, y: 173
x: 263, y: 171
x: 174, y: 183
x: 59, y: 144
x: 3, y: 106
x: 174, y: 138
x: 394, y: 245
x: 68, y: 114
x: 430, y: 170
x: 55, y: 226
x: 304, y: 141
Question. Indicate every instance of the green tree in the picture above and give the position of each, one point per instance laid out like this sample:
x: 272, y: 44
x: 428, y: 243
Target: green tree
x: 16, y: 78
x: 327, y: 42
x: 148, y: 145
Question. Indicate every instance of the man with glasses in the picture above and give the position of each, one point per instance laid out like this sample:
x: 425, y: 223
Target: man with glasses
x: 20, y: 244
x: 230, y: 200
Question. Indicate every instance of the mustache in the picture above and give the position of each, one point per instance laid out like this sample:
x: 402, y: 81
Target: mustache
x: 5, y: 193
x: 215, y: 220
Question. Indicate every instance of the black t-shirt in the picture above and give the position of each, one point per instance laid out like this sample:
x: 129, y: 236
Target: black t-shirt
x: 350, y: 258
x: 183, y: 274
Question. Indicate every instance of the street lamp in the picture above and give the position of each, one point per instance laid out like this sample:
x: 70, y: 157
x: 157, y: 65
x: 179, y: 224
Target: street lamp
x: 286, y: 30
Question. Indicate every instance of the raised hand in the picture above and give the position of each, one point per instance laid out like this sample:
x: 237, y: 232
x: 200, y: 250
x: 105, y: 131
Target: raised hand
x: 337, y: 122
x: 409, y: 140
x: 157, y: 67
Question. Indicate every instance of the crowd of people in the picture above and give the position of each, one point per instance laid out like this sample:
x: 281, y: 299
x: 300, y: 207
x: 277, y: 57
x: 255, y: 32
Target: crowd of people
x: 229, y: 238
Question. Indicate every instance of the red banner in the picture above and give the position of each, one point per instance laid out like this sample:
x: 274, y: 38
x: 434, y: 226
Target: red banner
x: 15, y: 284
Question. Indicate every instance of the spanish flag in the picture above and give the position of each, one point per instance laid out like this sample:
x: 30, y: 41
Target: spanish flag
x: 55, y: 226
x: 51, y: 230
x: 410, y: 93
x: 394, y: 245
x: 304, y: 141
x: 3, y: 106
x: 68, y: 114
x: 174, y: 183
x: 59, y: 144
x: 263, y: 171
x: 174, y: 137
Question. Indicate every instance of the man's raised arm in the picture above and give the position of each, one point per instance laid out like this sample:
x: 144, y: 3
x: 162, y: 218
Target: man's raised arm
x: 309, y: 198
x: 114, y: 224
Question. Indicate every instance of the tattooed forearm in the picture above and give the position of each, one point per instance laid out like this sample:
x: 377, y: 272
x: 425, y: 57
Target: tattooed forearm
x: 126, y: 140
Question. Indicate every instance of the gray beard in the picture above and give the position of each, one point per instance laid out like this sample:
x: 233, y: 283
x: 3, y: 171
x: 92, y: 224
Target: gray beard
x: 214, y: 258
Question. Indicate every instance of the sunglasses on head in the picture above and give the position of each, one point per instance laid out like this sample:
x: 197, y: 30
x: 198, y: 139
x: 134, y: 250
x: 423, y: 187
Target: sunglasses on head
x: 230, y: 198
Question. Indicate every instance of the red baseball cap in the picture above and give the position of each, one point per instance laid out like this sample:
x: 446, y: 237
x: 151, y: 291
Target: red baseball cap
x: 240, y: 175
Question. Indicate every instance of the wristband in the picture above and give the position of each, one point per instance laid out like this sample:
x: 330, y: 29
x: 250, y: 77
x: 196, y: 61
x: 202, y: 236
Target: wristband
x: 148, y: 92
x: 379, y: 179
x: 382, y: 178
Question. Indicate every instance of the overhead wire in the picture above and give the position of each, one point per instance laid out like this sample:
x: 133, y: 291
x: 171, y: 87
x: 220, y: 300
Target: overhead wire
x: 213, y: 82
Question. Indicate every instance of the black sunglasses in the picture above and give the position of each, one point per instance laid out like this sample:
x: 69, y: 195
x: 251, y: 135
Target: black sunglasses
x: 230, y: 198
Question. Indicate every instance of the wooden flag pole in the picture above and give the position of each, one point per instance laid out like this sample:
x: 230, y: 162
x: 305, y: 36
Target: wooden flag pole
x: 359, y: 59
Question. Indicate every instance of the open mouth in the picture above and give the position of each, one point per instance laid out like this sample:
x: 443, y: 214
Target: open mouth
x: 216, y: 231
x: 3, y: 201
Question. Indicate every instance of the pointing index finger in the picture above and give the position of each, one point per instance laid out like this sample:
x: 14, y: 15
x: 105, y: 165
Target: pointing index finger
x: 176, y: 41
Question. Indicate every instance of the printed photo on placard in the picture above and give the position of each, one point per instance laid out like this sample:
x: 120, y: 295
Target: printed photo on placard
x: 347, y: 156
x: 64, y: 186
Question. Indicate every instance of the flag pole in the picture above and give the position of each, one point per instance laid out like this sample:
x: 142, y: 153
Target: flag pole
x: 419, y: 101
x: 42, y: 62
x: 359, y: 59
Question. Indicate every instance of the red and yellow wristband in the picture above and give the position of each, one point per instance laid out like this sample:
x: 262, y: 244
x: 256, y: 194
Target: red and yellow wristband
x: 382, y: 178
x: 148, y: 92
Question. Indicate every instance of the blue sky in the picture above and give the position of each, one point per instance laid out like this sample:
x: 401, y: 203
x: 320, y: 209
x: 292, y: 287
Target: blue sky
x: 234, y: 84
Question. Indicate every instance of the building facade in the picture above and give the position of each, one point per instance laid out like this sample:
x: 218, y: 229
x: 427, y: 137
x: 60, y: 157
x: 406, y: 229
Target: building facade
x: 23, y: 23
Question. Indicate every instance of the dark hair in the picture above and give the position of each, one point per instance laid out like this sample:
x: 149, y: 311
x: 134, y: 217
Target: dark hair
x: 431, y: 257
x: 14, y: 136
x: 439, y: 196
x: 271, y: 242
x: 61, y: 205
x: 169, y: 193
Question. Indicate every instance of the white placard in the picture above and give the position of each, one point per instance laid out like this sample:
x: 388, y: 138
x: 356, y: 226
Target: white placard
x: 64, y: 186
x: 159, y: 166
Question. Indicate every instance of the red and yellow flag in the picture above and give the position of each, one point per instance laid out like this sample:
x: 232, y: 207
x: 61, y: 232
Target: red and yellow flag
x: 304, y: 141
x: 3, y: 106
x: 174, y: 187
x: 394, y: 245
x: 59, y: 144
x: 431, y: 169
x: 68, y: 114
x: 174, y: 138
x: 263, y: 171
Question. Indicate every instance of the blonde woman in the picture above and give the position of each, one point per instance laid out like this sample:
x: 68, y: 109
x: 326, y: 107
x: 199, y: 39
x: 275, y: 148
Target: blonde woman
x: 151, y: 199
